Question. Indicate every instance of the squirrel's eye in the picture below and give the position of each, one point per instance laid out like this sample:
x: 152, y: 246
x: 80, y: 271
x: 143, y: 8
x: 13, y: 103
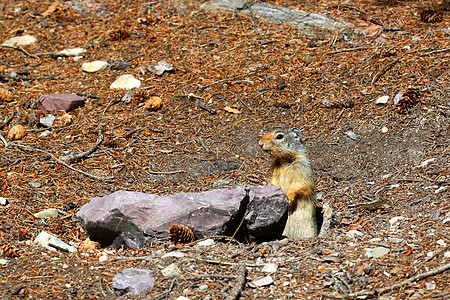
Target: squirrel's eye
x: 279, y: 136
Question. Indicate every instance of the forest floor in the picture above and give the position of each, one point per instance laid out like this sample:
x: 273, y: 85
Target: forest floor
x: 384, y: 168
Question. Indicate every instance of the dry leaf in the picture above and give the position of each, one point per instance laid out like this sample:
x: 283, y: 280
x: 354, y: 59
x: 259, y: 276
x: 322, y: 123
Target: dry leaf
x: 50, y: 9
x: 16, y: 132
x: 5, y: 95
x: 231, y: 110
x: 87, y: 245
x: 63, y: 120
x: 153, y: 103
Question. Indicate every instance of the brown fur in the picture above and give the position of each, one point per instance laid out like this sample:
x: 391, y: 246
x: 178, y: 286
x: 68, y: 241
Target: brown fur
x: 292, y: 172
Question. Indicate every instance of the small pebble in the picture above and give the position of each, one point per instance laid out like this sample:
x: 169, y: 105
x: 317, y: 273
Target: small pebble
x: 45, y: 214
x: 174, y: 254
x: 35, y: 184
x: 125, y: 82
x: 394, y: 220
x: 208, y: 242
x: 353, y: 233
x: 384, y: 129
x: 269, y: 268
x: 351, y: 135
x: 203, y: 287
x: 262, y: 281
x: 20, y: 41
x: 171, y: 270
x: 72, y: 52
x: 379, y: 252
x: 103, y: 258
x: 3, y: 201
x: 3, y: 261
x: 94, y: 66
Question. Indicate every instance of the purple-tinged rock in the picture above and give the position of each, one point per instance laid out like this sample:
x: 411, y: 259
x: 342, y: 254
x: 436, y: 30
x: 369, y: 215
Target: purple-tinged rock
x: 57, y: 102
x: 133, y: 281
x: 133, y: 217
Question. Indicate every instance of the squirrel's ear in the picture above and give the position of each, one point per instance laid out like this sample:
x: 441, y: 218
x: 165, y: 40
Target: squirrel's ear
x: 297, y: 132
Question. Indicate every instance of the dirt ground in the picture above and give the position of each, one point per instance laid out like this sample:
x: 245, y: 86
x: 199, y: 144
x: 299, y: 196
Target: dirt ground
x: 373, y: 162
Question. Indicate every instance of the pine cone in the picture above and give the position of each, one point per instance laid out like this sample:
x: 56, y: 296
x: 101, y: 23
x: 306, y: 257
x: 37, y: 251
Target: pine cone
x: 431, y: 16
x: 337, y: 103
x: 9, y: 250
x: 119, y: 34
x: 119, y: 65
x: 408, y: 99
x: 180, y: 234
x: 5, y: 95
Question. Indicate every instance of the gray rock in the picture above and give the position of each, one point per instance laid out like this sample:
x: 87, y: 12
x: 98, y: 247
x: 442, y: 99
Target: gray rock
x: 133, y: 281
x: 57, y: 102
x: 133, y: 217
x: 305, y: 21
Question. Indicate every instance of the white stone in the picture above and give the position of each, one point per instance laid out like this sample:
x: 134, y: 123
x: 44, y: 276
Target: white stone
x: 171, y: 270
x: 45, y: 134
x: 353, y: 233
x: 394, y: 220
x: 382, y: 100
x: 3, y: 261
x: 395, y: 240
x: 125, y: 82
x: 379, y: 252
x: 182, y: 298
x: 447, y: 254
x: 20, y: 41
x: 262, y: 281
x: 174, y: 254
x: 430, y: 285
x: 269, y: 268
x: 47, y: 121
x: 208, y: 242
x: 72, y: 52
x: 103, y: 258
x: 441, y: 242
x: 94, y: 66
x: 3, y: 201
x: 44, y: 239
x: 48, y: 213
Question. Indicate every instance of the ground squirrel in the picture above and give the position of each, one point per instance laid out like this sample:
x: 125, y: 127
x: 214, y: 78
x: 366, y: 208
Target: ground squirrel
x: 292, y: 172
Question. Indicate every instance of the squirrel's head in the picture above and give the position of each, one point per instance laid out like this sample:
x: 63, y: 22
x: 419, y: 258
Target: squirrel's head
x: 283, y: 143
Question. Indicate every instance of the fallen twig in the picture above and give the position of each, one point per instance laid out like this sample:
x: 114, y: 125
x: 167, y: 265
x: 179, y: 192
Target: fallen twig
x: 389, y: 65
x: 19, y: 48
x: 328, y: 215
x: 54, y: 158
x: 75, y: 157
x: 435, y: 51
x: 166, y: 293
x: 6, y: 122
x: 378, y: 291
x: 238, y: 284
x: 165, y: 173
